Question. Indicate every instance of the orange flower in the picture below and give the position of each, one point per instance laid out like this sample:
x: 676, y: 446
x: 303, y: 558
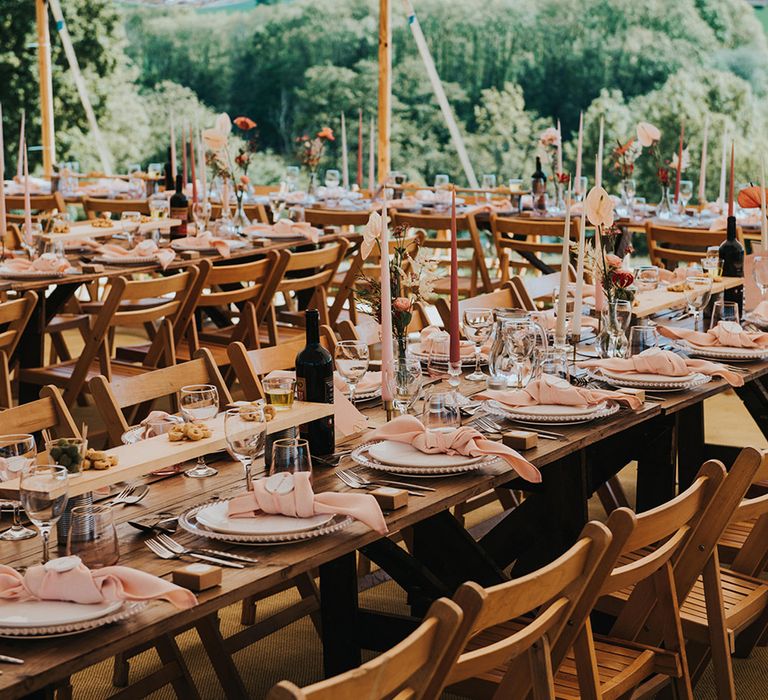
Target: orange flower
x: 245, y: 123
x: 749, y: 197
x: 326, y: 133
x: 621, y: 150
x: 244, y: 180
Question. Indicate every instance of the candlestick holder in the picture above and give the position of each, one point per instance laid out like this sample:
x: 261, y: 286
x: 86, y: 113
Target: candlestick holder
x: 390, y: 410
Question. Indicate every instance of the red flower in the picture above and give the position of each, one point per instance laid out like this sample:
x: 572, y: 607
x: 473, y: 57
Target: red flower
x: 326, y: 133
x: 663, y: 175
x: 245, y: 123
x: 622, y: 278
x: 401, y: 304
x: 563, y: 178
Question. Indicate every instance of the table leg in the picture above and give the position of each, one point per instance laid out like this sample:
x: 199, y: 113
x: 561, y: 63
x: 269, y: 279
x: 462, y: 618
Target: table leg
x: 656, y: 464
x: 754, y: 395
x: 690, y: 439
x: 339, y: 614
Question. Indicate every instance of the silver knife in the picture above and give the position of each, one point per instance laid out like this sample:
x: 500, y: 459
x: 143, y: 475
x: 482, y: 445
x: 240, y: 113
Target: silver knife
x: 228, y: 555
x: 10, y: 659
x: 216, y: 560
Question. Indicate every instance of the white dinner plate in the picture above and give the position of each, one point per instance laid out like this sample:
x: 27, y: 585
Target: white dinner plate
x: 30, y: 274
x: 125, y: 259
x: 399, y: 454
x: 215, y: 518
x: 723, y: 353
x: 233, y: 245
x: 654, y: 382
x: 550, y: 413
x: 430, y: 468
x: 647, y: 377
x: 48, y: 613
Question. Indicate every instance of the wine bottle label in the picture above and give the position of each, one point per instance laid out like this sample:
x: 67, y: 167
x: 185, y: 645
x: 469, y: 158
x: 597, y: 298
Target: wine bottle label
x: 301, y: 388
x: 180, y: 213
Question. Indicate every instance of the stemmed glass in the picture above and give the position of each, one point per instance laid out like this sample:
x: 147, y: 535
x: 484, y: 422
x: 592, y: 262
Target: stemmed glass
x: 291, y: 178
x: 580, y: 189
x: 199, y: 402
x: 201, y: 213
x: 43, y: 491
x: 760, y: 273
x: 407, y: 383
x: 697, y: 291
x: 488, y: 183
x: 686, y: 192
x: 352, y: 358
x: 332, y: 178
x: 17, y: 454
x: 245, y: 429
x: 439, y: 365
x: 131, y: 223
x: 277, y: 201
x: 520, y: 339
x: 628, y: 190
x: 477, y: 328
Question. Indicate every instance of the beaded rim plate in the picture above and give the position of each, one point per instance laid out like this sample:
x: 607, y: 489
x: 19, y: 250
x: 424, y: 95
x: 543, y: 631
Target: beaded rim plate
x: 759, y: 321
x: 129, y: 609
x: 31, y: 274
x: 125, y: 259
x: 188, y: 522
x: 180, y: 247
x: 360, y: 455
x: 695, y: 379
x: 607, y: 408
x: 720, y: 353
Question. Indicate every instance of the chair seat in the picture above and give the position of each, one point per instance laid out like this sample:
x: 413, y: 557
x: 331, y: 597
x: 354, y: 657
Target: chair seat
x: 93, y: 307
x: 66, y: 322
x: 736, y: 534
x: 60, y: 373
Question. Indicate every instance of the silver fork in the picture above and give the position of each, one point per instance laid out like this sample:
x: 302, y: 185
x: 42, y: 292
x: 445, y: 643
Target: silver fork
x: 164, y: 553
x: 122, y: 494
x: 177, y: 547
x: 485, y: 424
x: 375, y: 482
x: 353, y: 481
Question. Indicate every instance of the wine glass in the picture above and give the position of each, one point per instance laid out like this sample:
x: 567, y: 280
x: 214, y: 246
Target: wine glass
x: 477, y: 328
x: 130, y: 221
x: 441, y: 180
x: 291, y: 177
x: 441, y: 412
x: 760, y: 273
x: 17, y: 454
x: 520, y: 339
x: 201, y: 213
x: 352, y: 358
x: 406, y: 383
x: 290, y: 455
x: 697, y: 291
x: 641, y: 338
x: 199, y: 402
x: 332, y: 178
x: 580, y: 188
x: 43, y: 491
x: 92, y: 536
x: 488, y: 182
x: 628, y: 190
x: 686, y: 192
x: 440, y: 366
x: 245, y: 429
x: 724, y: 311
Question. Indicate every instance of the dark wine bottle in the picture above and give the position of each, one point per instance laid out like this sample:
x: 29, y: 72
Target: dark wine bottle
x: 170, y: 177
x: 732, y: 256
x: 179, y: 210
x: 539, y: 188
x: 314, y: 382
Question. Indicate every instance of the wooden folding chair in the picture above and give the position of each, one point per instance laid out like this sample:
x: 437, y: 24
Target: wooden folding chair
x: 49, y: 412
x: 504, y: 642
x: 532, y: 289
x: 11, y: 237
x: 505, y: 297
x: 304, y: 271
x: 42, y: 206
x: 95, y: 357
x: 96, y: 207
x: 256, y: 213
x: 14, y: 316
x: 670, y: 245
x: 336, y: 219
x: 408, y: 670
x: 517, y: 237
x: 141, y: 391
x: 439, y: 240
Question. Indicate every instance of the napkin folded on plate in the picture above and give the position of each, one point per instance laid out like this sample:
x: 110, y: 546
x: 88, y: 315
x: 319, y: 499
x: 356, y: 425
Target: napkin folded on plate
x: 285, y: 229
x: 369, y: 382
x: 68, y: 579
x: 47, y: 262
x: 406, y: 203
x: 726, y: 334
x: 433, y: 339
x: 145, y: 249
x: 347, y: 419
x: 302, y: 502
x: 158, y: 417
x: 496, y: 205
x: 204, y: 241
x: 664, y: 363
x: 548, y: 320
x: 462, y: 441
x: 760, y: 312
x: 554, y: 391
x: 677, y: 275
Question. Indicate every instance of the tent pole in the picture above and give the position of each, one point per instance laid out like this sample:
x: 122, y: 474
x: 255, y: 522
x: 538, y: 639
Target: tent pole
x: 46, y: 86
x: 385, y: 89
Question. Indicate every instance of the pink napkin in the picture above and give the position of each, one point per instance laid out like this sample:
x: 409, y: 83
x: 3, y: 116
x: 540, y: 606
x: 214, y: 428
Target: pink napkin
x: 677, y: 275
x: 302, y: 502
x: 435, y: 340
x: 496, y: 205
x: 548, y: 320
x: 369, y: 382
x: 68, y: 579
x: 761, y: 311
x: 726, y: 334
x: 158, y: 417
x: 285, y: 229
x: 144, y: 249
x: 554, y: 391
x: 11, y: 467
x: 462, y: 441
x: 47, y: 262
x: 406, y: 203
x: 665, y: 363
x: 204, y: 241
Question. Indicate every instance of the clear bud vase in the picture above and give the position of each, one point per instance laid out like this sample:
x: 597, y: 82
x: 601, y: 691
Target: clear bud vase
x: 312, y: 187
x: 240, y: 221
x: 560, y: 203
x: 611, y: 340
x: 664, y: 209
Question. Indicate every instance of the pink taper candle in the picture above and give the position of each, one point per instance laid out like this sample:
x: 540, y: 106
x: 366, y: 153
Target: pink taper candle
x: 360, y: 148
x: 679, y: 163
x: 22, y: 139
x: 453, y: 325
x: 732, y: 183
x: 192, y: 165
x: 173, y: 149
x: 203, y: 175
x: 27, y: 203
x: 184, y: 179
x: 579, y: 144
x: 386, y: 310
x: 3, y: 222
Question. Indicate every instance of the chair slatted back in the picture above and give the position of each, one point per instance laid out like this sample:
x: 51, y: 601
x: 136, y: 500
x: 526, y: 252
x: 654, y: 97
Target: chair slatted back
x: 438, y: 227
x: 530, y: 289
x: 545, y: 599
x: 346, y: 220
x: 96, y: 207
x: 141, y: 391
x: 14, y: 316
x: 405, y: 671
x: 514, y: 236
x: 670, y: 245
x: 11, y: 237
x: 503, y: 298
x: 49, y: 412
x: 255, y: 212
x: 41, y: 206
